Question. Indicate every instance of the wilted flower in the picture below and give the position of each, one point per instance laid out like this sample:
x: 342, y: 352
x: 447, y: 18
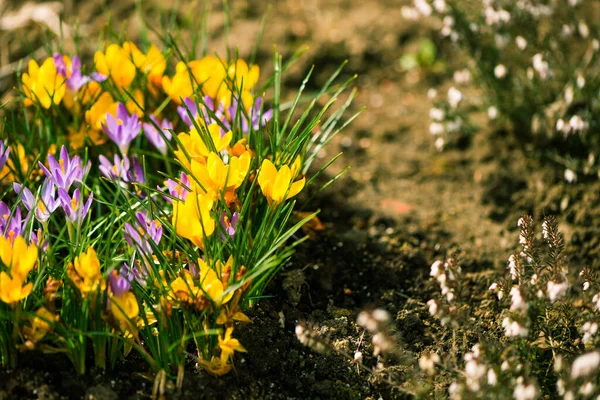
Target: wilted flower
x: 123, y: 128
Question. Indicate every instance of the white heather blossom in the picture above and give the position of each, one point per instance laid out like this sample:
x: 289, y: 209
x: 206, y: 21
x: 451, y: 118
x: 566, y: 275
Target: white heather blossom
x: 517, y: 300
x: 454, y: 125
x: 436, y: 269
x: 436, y: 129
x: 462, y: 76
x: 500, y: 71
x: 448, y: 25
x: 454, y: 391
x: 585, y: 365
x: 570, y: 176
x: 501, y: 40
x: 586, y: 285
x: 587, y: 389
x: 596, y: 44
x: 380, y: 315
x: 577, y: 124
x: 492, y: 378
x: 439, y: 6
x: 524, y: 392
x: 423, y: 7
x: 454, y: 96
x: 432, y: 93
x: 433, y: 307
x: 573, y: 3
x: 428, y: 361
x: 504, y: 366
x: 521, y: 42
x: 474, y: 370
x: 534, y: 279
x: 358, y: 356
x: 492, y: 112
x: 569, y: 94
x: 583, y: 29
x: 409, y: 13
x: 436, y: 114
x: 556, y: 290
x: 513, y: 328
x: 567, y: 30
x: 541, y: 66
x: 588, y: 329
x: 580, y: 81
x: 560, y: 125
x: 512, y: 267
x: 439, y: 144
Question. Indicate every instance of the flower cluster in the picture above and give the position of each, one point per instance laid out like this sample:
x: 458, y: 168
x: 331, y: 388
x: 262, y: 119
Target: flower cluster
x: 158, y: 242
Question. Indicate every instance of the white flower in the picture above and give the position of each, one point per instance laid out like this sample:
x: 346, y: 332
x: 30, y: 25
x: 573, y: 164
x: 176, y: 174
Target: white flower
x: 512, y: 267
x: 513, y: 328
x: 504, y: 366
x: 409, y: 13
x: 423, y: 7
x: 428, y: 361
x: 492, y: 378
x: 433, y: 307
x: 570, y: 176
x: 439, y: 144
x: 534, y: 279
x: 440, y: 6
x: 454, y: 96
x: 524, y: 392
x: 556, y: 290
x: 492, y: 112
x: 521, y: 42
x: 540, y: 65
x: 589, y: 329
x: 474, y: 372
x: 454, y: 125
x: 560, y: 125
x: 431, y: 93
x: 380, y: 315
x: 436, y: 268
x: 585, y: 365
x: 586, y: 285
x: 587, y: 389
x: 436, y: 129
x: 580, y: 81
x: 436, y: 114
x: 584, y: 31
x: 462, y: 77
x: 500, y: 71
x: 569, y: 94
x: 517, y: 301
x: 358, y: 356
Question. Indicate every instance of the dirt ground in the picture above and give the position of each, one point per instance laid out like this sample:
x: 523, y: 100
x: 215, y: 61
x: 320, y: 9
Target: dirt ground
x: 402, y: 206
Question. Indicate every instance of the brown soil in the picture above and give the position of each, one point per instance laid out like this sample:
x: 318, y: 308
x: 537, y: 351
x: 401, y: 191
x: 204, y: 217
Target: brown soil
x: 401, y: 206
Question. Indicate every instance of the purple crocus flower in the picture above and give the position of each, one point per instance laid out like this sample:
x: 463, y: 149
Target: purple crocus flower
x: 154, y: 135
x: 46, y: 203
x: 138, y: 236
x: 229, y: 225
x: 133, y: 273
x: 119, y: 285
x: 75, y: 79
x: 257, y: 120
x: 117, y: 171
x: 11, y: 224
x: 178, y: 189
x: 137, y: 178
x: 190, y: 104
x: 123, y: 128
x: 4, y: 153
x: 74, y: 207
x: 66, y: 171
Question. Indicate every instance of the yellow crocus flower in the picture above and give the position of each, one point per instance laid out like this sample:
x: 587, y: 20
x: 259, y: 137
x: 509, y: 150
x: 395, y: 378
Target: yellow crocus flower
x: 212, y: 285
x: 197, y: 149
x: 229, y: 345
x: 152, y: 64
x: 277, y: 186
x: 96, y: 115
x: 12, y: 289
x: 192, y: 219
x: 126, y: 311
x: 85, y: 272
x: 17, y: 256
x: 43, y: 84
x: 11, y: 170
x: 116, y: 64
x: 218, y: 178
x: 40, y: 325
x: 206, y: 74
